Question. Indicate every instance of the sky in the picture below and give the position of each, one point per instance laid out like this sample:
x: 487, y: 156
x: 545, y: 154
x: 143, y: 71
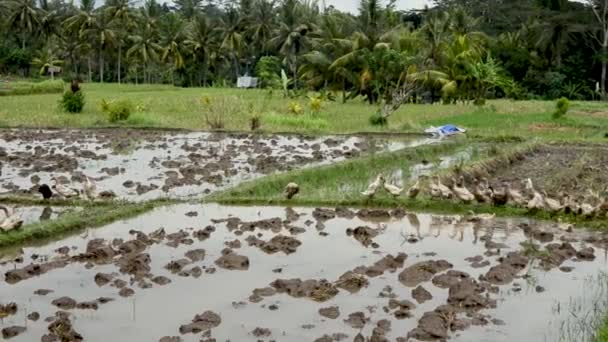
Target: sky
x: 352, y: 5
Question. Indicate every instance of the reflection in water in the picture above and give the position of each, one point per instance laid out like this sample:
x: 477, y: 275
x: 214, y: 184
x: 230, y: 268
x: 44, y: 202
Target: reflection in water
x: 46, y: 213
x: 159, y: 311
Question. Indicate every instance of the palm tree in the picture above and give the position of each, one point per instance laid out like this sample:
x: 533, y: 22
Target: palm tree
x: 123, y: 18
x: 263, y: 21
x: 47, y: 60
x: 188, y: 9
x: 144, y: 46
x: 202, y: 37
x: 24, y: 17
x: 172, y: 31
x: 293, y: 34
x: 102, y: 32
x: 232, y: 38
x: 83, y: 19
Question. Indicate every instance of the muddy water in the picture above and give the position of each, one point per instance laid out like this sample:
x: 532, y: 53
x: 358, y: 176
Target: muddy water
x: 326, y: 252
x: 147, y: 165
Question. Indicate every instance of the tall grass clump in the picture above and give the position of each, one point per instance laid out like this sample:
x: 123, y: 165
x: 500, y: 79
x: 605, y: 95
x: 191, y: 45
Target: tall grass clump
x: 72, y: 100
x: 215, y: 110
x: 28, y: 88
x: 561, y: 108
x: 117, y: 110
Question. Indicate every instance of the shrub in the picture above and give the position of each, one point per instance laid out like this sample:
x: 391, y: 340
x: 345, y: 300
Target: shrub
x: 377, y: 120
x: 72, y: 102
x: 561, y: 108
x: 294, y: 108
x: 316, y: 103
x: 27, y: 88
x: 117, y: 110
x: 268, y: 70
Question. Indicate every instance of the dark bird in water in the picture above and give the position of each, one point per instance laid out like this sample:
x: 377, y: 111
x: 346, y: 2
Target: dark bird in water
x: 46, y: 191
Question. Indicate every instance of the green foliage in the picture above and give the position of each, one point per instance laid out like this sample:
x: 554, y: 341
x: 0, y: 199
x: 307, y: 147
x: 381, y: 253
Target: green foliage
x: 377, y: 119
x: 316, y: 104
x: 561, y: 107
x: 27, y: 88
x: 268, y: 71
x: 294, y: 108
x: 72, y: 102
x: 217, y: 109
x: 285, y: 83
x: 117, y: 110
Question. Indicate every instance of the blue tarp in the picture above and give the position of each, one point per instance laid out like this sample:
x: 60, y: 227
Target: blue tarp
x: 445, y: 130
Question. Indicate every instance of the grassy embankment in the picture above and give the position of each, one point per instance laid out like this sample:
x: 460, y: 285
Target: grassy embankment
x: 170, y: 107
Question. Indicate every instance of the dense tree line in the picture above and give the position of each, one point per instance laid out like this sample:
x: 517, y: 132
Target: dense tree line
x: 460, y: 49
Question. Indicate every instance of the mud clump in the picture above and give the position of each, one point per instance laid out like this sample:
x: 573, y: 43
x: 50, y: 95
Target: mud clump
x: 352, y: 282
x: 161, y: 280
x: 126, y: 292
x: 170, y: 339
x: 586, y: 254
x: 388, y: 263
x: 92, y: 305
x: 34, y: 316
x: 422, y: 271
x: 64, y: 303
x: 378, y: 214
x: 137, y: 265
x: 363, y: 234
x: 331, y: 312
x: 279, y: 243
x: 506, y: 271
x: 421, y: 295
x: 42, y: 292
x: 175, y: 266
x: 12, y: 331
x: 14, y: 276
x: 203, y: 322
x: 196, y: 255
x: 102, y: 279
x: 466, y: 295
x: 321, y: 214
x: 357, y: 320
x: 9, y: 309
x: 234, y: 244
x: 449, y: 279
x: 317, y: 290
x: 432, y: 326
x: 261, y: 332
x: 232, y: 261
x: 60, y: 329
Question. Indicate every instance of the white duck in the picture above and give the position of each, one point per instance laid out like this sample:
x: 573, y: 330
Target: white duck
x: 414, y: 190
x: 443, y: 190
x: 373, y: 187
x: 394, y: 190
x: 551, y: 204
x: 515, y: 197
x: 537, y: 202
x: 89, y: 188
x: 11, y: 221
x: 64, y: 191
x: 461, y: 192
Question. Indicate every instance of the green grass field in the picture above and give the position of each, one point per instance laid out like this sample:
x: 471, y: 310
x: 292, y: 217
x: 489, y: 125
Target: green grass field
x: 170, y: 107
x: 602, y: 335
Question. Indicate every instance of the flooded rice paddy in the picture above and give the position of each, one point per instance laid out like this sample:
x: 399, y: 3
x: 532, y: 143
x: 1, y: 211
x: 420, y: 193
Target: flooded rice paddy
x: 144, y: 165
x: 195, y: 272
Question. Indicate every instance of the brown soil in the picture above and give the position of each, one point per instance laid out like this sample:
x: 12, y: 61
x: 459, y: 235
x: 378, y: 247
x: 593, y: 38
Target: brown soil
x: 202, y: 322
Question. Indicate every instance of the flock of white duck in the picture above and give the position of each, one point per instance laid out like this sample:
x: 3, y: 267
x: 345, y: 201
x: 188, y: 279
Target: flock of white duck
x: 591, y: 205
x: 10, y: 219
